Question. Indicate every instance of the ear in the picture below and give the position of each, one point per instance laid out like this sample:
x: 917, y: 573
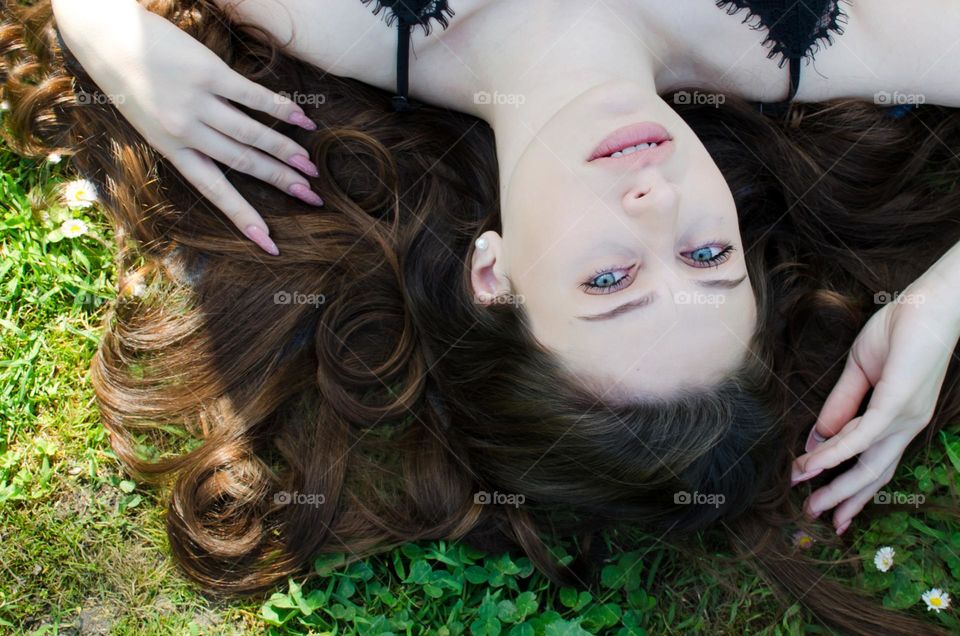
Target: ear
x: 486, y: 271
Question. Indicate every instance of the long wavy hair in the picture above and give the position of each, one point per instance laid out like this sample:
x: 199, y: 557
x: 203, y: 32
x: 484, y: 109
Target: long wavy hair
x: 356, y: 368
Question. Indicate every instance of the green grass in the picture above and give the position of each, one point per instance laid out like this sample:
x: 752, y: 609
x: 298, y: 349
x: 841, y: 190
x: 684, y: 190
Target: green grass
x: 83, y: 548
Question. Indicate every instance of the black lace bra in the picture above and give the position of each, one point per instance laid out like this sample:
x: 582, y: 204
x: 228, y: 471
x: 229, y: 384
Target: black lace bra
x: 795, y: 29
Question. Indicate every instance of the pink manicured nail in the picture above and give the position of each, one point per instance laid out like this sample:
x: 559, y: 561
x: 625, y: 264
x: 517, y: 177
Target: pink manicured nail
x: 813, y: 440
x: 303, y: 164
x: 258, y: 236
x: 305, y: 194
x: 303, y: 121
x: 843, y: 528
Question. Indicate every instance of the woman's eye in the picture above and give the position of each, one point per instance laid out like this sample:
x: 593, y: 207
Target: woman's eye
x: 709, y: 255
x: 607, y: 282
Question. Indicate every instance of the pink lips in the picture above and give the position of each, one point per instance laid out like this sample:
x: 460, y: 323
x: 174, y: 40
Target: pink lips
x: 632, y: 135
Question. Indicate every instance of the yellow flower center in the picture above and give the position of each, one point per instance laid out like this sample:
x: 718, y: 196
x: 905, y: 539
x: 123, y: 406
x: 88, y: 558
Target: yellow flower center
x: 936, y: 601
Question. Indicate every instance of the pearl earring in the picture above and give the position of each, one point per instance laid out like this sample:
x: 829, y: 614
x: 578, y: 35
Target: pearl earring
x: 481, y: 243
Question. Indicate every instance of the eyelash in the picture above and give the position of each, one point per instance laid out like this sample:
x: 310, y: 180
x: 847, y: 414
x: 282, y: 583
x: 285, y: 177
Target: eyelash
x: 716, y: 261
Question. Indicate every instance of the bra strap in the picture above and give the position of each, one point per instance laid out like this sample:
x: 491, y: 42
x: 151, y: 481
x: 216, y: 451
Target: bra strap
x: 410, y: 14
x: 402, y: 103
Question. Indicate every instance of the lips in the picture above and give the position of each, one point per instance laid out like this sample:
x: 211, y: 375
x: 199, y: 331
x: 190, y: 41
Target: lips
x: 628, y: 138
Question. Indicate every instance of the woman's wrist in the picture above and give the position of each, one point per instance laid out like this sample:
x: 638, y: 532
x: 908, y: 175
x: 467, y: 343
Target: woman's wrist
x: 940, y: 287
x: 81, y: 24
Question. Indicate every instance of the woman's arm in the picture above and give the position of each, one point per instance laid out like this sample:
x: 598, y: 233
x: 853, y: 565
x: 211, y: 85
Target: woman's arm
x: 177, y: 94
x: 891, y: 52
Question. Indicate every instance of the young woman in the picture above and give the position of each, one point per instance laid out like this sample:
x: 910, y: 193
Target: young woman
x: 630, y: 265
x: 408, y: 367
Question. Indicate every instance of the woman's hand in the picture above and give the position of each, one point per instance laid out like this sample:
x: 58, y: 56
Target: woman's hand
x: 177, y: 94
x: 902, y: 353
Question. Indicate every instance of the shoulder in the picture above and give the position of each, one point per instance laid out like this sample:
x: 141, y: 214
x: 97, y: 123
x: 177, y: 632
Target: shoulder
x: 340, y: 36
x: 346, y: 38
x: 889, y: 46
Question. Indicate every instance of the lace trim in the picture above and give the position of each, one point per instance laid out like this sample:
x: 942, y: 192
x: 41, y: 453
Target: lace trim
x: 788, y: 32
x: 414, y: 13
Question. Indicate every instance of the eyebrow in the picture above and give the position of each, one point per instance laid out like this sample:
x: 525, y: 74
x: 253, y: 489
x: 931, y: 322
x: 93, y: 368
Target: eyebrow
x: 644, y: 301
x: 723, y: 283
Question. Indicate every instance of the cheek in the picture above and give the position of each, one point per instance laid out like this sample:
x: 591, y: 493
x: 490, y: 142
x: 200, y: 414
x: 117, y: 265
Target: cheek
x: 537, y: 262
x: 741, y: 315
x: 543, y: 190
x: 545, y: 218
x: 714, y: 186
x: 532, y: 265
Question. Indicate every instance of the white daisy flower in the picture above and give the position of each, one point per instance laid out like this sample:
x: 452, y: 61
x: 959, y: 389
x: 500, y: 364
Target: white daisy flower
x: 883, y: 559
x: 72, y: 228
x: 4, y: 106
x: 80, y: 193
x: 936, y: 599
x: 54, y: 157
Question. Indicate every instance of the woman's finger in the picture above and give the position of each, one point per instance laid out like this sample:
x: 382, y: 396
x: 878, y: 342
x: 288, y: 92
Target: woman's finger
x: 241, y: 90
x: 853, y: 439
x: 238, y: 126
x: 206, y: 177
x: 871, y: 467
x: 851, y: 507
x: 251, y: 161
x: 842, y: 404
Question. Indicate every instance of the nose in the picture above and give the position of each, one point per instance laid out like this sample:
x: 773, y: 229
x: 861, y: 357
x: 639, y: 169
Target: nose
x: 651, y: 195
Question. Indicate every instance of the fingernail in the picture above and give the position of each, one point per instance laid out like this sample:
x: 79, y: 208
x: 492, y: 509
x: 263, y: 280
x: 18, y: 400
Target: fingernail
x: 305, y: 194
x: 258, y: 236
x: 303, y: 121
x: 813, y: 439
x: 805, y: 476
x: 303, y: 164
x: 843, y: 528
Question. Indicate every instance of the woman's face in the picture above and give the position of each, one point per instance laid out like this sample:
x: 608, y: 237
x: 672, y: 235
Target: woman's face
x: 630, y: 267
